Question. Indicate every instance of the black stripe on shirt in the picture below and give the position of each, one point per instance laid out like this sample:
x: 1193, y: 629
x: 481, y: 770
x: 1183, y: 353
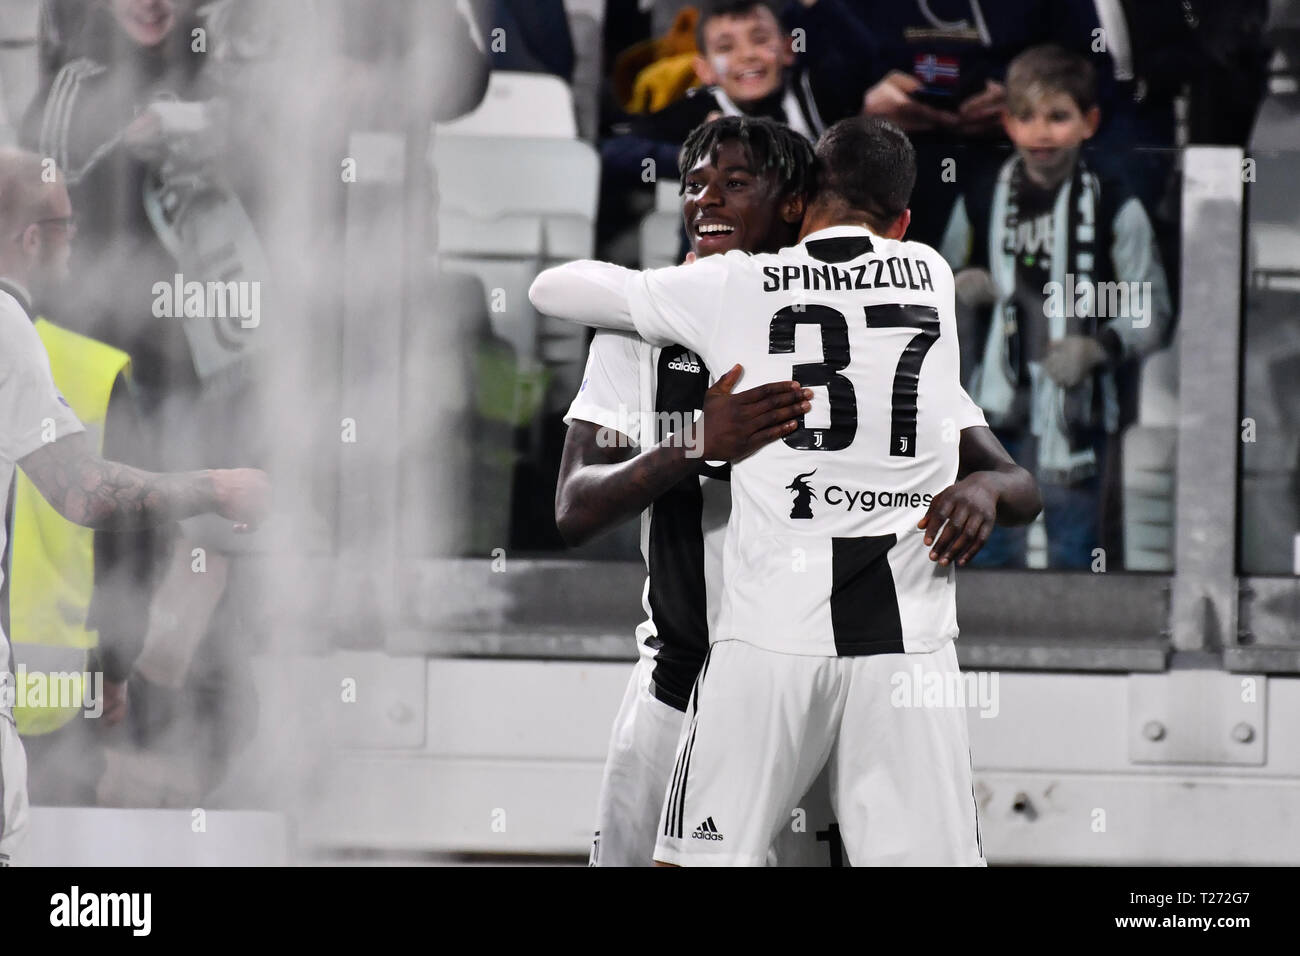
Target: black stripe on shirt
x: 678, y: 597
x: 864, y: 602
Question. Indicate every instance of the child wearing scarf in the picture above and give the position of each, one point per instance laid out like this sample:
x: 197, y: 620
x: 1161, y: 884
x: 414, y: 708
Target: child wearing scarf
x: 1066, y: 259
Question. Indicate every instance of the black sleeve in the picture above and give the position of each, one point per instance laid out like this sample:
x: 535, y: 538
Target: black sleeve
x: 540, y: 29
x: 658, y: 136
x: 674, y: 122
x: 126, y: 563
x: 1074, y: 25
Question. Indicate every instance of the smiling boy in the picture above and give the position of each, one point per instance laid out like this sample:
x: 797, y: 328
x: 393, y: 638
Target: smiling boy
x: 748, y: 67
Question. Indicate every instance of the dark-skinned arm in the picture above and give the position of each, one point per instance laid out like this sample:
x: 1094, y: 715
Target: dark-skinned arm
x: 990, y: 488
x: 604, y: 482
x: 110, y: 496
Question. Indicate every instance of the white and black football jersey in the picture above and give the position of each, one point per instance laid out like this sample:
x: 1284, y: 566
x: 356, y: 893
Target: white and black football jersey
x: 822, y: 552
x: 645, y: 393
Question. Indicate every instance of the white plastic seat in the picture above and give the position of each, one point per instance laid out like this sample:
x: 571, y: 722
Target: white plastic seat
x: 505, y: 288
x: 508, y: 208
x: 1148, y: 496
x: 661, y: 239
x: 1158, y: 393
x: 516, y: 197
x: 519, y: 104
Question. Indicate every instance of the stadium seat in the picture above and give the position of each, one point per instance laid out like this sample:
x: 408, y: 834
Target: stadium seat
x: 508, y: 208
x: 1148, y: 495
x: 1158, y: 394
x: 1148, y: 466
x: 661, y: 238
x: 505, y: 286
x: 661, y: 229
x: 520, y: 104
x: 1273, y: 254
x: 489, y: 185
x: 453, y: 361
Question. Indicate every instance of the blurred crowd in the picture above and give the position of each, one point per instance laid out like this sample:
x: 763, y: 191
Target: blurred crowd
x: 201, y: 147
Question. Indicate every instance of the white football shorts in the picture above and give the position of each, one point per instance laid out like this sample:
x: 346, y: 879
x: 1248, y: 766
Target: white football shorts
x: 642, y: 748
x: 762, y: 725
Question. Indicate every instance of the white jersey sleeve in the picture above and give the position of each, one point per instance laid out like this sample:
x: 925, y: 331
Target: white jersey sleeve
x: 610, y: 395
x: 587, y: 292
x: 678, y: 305
x: 32, y: 412
x: 968, y: 414
x: 683, y: 305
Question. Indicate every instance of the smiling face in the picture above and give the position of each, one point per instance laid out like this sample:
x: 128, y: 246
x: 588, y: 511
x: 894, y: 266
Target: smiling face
x: 727, y: 205
x: 147, y: 22
x: 745, y: 54
x: 1048, y: 130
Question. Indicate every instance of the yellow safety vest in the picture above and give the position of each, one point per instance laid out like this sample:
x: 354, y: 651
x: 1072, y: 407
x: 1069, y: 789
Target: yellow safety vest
x: 52, y: 560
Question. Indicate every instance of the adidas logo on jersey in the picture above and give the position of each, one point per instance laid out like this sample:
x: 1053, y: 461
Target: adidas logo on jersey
x: 706, y: 831
x: 687, y: 363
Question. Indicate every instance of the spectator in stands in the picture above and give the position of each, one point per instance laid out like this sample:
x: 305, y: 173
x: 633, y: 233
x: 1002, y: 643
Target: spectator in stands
x: 127, y: 111
x: 1213, y: 54
x: 535, y: 37
x: 95, y: 119
x: 59, y: 23
x: 937, y: 70
x: 746, y: 66
x: 1067, y: 261
x: 57, y: 453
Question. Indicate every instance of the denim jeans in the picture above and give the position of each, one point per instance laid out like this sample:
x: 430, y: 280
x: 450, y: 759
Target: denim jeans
x: 1072, y: 514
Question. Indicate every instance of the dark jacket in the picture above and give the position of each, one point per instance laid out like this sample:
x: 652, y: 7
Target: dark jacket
x: 902, y: 33
x: 659, y: 136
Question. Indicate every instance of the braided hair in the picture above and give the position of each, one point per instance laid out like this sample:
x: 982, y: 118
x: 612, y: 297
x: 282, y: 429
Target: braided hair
x: 772, y: 147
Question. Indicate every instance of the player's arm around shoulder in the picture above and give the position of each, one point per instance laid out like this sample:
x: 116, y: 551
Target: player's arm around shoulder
x: 587, y: 292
